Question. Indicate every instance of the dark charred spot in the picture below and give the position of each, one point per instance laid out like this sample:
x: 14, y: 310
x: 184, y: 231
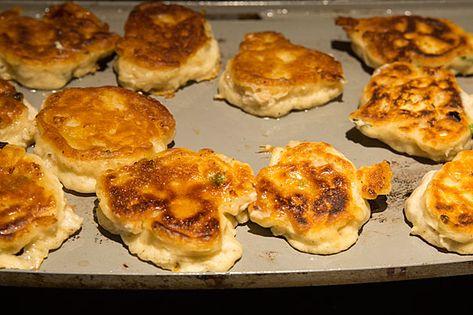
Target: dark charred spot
x: 202, y: 225
x: 455, y: 101
x: 9, y: 229
x: 424, y: 113
x: 444, y: 218
x: 404, y: 111
x: 378, y: 94
x: 331, y: 201
x: 210, y: 227
x: 296, y: 206
x: 430, y: 71
x: 127, y: 201
x: 454, y: 115
x: 443, y: 207
x: 402, y: 69
x: 465, y: 219
x: 149, y: 203
x: 432, y: 122
x: 147, y: 164
x: 18, y: 96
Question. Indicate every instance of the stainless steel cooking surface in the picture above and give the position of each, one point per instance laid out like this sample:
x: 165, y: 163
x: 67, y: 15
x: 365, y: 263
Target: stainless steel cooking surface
x: 385, y: 251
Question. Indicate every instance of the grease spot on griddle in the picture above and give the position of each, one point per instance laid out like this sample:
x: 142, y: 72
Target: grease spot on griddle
x: 407, y: 176
x: 83, y: 263
x: 269, y: 255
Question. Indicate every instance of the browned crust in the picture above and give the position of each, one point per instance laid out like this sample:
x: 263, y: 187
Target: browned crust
x: 375, y: 180
x: 316, y: 198
x: 26, y: 205
x: 11, y: 104
x: 177, y: 195
x: 261, y: 55
x: 424, y: 101
x: 76, y: 30
x: 162, y: 36
x: 78, y: 122
x: 327, y: 202
x: 423, y: 40
x: 449, y: 197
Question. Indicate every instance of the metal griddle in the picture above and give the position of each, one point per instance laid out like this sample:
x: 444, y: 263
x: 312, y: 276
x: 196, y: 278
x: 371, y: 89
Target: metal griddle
x: 385, y: 251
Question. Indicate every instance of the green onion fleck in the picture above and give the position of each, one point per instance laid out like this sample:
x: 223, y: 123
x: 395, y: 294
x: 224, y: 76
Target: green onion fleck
x: 217, y: 179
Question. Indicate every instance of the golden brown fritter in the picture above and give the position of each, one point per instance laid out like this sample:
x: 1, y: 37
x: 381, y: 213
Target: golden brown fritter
x: 83, y: 131
x: 425, y: 41
x: 16, y: 116
x: 180, y: 203
x: 11, y: 104
x: 104, y: 122
x: 315, y: 197
x: 159, y: 35
x: 46, y: 53
x: 34, y: 216
x: 417, y: 110
x: 375, y: 180
x: 164, y: 47
x: 27, y: 205
x: 270, y: 76
x: 449, y: 197
x: 441, y: 207
x: 284, y: 62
